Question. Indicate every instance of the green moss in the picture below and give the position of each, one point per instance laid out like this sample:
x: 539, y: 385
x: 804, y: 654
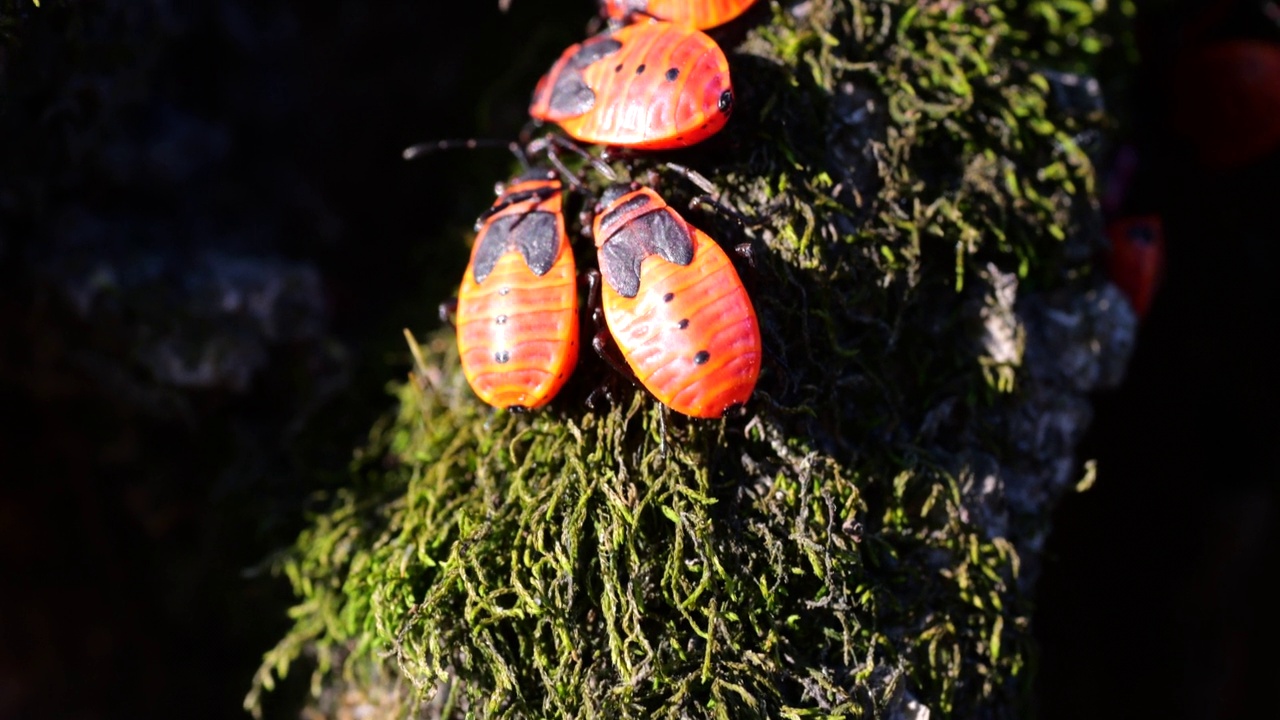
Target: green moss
x: 816, y: 557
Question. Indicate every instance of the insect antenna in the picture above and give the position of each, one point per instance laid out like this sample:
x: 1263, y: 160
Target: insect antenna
x: 434, y: 146
x: 551, y: 145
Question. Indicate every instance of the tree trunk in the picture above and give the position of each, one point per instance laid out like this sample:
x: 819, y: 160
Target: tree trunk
x: 863, y: 538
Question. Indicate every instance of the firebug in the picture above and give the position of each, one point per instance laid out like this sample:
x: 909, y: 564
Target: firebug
x: 1136, y: 261
x: 648, y: 86
x: 674, y: 304
x: 517, y: 306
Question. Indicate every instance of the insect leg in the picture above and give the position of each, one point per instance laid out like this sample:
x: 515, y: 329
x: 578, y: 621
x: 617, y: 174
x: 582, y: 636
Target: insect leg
x: 448, y: 309
x: 601, y: 341
x: 694, y: 177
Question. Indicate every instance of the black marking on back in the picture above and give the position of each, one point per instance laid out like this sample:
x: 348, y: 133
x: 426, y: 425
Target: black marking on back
x: 507, y: 199
x: 538, y: 240
x: 1141, y: 234
x: 570, y: 95
x: 618, y: 214
x: 620, y: 260
x: 612, y: 193
x: 534, y: 234
x: 668, y: 235
x: 658, y: 231
x: 592, y: 50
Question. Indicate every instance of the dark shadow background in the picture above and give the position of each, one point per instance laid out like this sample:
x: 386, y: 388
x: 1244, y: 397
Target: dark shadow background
x: 209, y: 245
x: 1156, y: 598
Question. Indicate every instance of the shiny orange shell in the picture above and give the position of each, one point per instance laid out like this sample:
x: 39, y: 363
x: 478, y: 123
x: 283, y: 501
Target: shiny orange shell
x: 1136, y: 261
x: 650, y: 86
x: 517, y: 316
x: 675, y: 306
x: 701, y: 14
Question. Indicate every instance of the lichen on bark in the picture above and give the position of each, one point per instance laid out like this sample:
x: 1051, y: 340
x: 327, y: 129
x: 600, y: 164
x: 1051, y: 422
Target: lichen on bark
x: 852, y: 544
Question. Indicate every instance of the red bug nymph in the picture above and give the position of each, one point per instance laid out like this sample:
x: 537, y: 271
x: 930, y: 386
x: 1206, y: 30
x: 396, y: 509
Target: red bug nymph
x: 675, y: 305
x: 649, y: 86
x: 517, y: 308
x: 1136, y: 260
x: 701, y: 14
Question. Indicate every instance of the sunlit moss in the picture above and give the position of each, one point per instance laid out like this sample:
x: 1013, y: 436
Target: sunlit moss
x: 817, y: 557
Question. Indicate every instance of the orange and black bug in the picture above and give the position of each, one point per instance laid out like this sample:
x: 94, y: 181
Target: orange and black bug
x: 649, y: 86
x: 517, y: 307
x: 1136, y: 259
x: 674, y: 304
x: 695, y: 13
x: 1136, y: 255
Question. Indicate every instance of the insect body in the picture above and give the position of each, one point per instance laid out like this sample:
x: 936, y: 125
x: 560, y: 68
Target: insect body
x: 1136, y: 261
x: 517, y: 315
x: 674, y: 305
x: 649, y: 86
x: 695, y: 13
x: 1226, y: 101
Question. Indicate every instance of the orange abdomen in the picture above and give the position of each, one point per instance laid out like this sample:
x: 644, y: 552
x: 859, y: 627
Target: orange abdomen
x: 649, y: 86
x: 701, y: 14
x: 518, y: 329
x: 675, y: 305
x: 1137, y: 257
x: 691, y: 334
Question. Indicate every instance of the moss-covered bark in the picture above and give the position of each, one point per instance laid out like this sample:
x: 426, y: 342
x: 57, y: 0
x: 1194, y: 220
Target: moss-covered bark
x: 851, y: 545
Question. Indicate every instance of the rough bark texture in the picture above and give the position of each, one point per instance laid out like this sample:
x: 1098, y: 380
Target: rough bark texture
x: 863, y: 539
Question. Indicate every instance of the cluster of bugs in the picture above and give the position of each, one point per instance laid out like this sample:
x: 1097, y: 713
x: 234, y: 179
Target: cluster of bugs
x: 665, y: 293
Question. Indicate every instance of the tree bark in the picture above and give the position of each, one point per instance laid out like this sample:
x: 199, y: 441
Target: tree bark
x: 863, y: 539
